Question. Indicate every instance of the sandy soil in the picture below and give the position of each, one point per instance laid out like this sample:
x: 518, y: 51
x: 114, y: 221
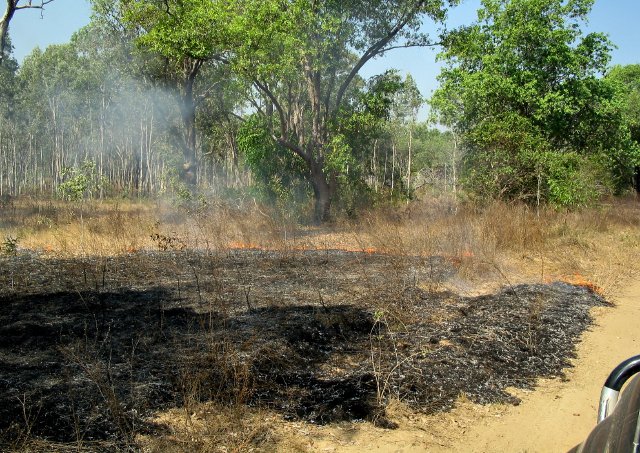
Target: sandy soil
x: 561, y: 414
x: 556, y: 416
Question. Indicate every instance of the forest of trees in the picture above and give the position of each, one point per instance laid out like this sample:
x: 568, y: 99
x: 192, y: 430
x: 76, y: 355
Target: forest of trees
x: 265, y: 98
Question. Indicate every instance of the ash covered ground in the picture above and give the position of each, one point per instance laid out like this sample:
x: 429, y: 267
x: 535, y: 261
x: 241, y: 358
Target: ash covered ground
x: 91, y: 348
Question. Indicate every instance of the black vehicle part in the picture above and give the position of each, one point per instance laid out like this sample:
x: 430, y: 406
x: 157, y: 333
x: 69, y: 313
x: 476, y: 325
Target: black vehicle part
x: 618, y: 429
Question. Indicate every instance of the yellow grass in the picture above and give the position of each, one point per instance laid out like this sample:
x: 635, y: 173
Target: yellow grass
x: 497, y: 245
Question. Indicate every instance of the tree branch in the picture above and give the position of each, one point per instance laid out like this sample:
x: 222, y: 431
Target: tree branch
x: 282, y: 140
x: 12, y: 7
x: 290, y: 146
x: 42, y: 4
x: 375, y: 49
x: 408, y: 46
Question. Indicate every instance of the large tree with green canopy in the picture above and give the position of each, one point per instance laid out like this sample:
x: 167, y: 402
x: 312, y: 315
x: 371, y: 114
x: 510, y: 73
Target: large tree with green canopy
x: 523, y: 87
x: 300, y: 56
x: 628, y: 79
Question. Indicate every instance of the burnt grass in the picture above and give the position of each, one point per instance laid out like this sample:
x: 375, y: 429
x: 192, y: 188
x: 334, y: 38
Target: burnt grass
x: 91, y: 348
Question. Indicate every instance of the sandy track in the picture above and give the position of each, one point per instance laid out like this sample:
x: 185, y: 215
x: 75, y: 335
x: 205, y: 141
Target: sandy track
x: 559, y: 415
x: 556, y: 416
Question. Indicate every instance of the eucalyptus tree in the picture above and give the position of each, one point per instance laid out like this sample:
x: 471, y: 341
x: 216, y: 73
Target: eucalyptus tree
x: 300, y: 56
x: 408, y: 102
x: 10, y: 9
x: 8, y: 132
x: 55, y: 101
x: 378, y: 124
x: 523, y: 86
x: 8, y: 71
x: 219, y: 98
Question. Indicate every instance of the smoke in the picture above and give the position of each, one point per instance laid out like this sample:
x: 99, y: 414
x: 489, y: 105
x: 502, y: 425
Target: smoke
x: 71, y: 108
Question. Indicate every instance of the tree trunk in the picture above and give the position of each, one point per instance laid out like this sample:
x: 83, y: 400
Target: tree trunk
x: 409, y: 164
x: 322, y: 194
x: 4, y: 25
x: 393, y: 166
x: 188, y: 108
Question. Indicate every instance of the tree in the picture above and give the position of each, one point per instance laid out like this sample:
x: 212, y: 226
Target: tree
x: 367, y: 127
x: 8, y: 90
x: 183, y: 60
x: 379, y: 127
x: 406, y: 113
x: 522, y: 86
x: 10, y: 9
x: 301, y: 56
x: 628, y: 79
x: 8, y: 70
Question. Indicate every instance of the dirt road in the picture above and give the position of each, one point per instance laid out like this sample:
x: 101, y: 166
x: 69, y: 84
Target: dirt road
x: 560, y: 414
x: 553, y: 418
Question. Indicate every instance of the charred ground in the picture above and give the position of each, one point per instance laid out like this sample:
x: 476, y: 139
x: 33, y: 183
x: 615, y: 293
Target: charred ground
x: 91, y: 348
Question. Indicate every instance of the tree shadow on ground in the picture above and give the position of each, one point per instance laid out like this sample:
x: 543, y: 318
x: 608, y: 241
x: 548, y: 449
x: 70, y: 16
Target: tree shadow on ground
x: 93, y: 365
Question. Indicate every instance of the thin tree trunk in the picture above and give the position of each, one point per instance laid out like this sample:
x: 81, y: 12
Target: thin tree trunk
x: 393, y: 166
x: 188, y: 107
x: 454, y: 157
x: 409, y: 165
x: 374, y: 168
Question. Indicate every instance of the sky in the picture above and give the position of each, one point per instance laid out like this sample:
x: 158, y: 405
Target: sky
x: 617, y: 18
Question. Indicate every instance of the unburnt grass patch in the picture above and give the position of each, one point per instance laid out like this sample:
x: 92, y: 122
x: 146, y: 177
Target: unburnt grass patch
x: 91, y: 349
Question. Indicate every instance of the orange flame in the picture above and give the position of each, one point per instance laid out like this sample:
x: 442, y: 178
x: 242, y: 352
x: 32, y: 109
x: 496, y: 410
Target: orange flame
x: 580, y: 280
x: 237, y: 245
x: 245, y: 246
x: 457, y: 260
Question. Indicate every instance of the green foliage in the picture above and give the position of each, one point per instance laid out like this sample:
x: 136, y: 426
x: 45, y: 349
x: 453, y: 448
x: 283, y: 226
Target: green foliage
x: 521, y: 86
x: 505, y: 158
x: 339, y: 156
x: 279, y: 174
x: 301, y: 58
x: 572, y: 179
x: 408, y: 101
x: 363, y: 119
x: 10, y: 245
x: 8, y: 82
x: 81, y: 182
x: 378, y: 116
x: 627, y: 82
x: 433, y: 148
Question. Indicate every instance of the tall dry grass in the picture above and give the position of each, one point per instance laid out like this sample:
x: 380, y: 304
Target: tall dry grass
x: 507, y: 243
x: 496, y: 244
x: 110, y: 227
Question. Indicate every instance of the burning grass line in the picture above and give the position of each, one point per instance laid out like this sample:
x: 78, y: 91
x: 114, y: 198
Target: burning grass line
x: 235, y: 245
x: 579, y: 280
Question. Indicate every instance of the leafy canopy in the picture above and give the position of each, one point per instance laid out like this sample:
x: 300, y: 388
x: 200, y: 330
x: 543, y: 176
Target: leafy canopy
x: 523, y: 86
x: 301, y: 57
x: 627, y: 79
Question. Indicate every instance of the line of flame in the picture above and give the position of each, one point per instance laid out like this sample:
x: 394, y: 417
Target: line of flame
x: 235, y: 245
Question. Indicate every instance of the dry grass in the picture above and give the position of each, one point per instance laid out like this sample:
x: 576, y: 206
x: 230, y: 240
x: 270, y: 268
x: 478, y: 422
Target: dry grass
x: 508, y: 244
x: 109, y: 228
x: 490, y: 247
x: 212, y: 428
